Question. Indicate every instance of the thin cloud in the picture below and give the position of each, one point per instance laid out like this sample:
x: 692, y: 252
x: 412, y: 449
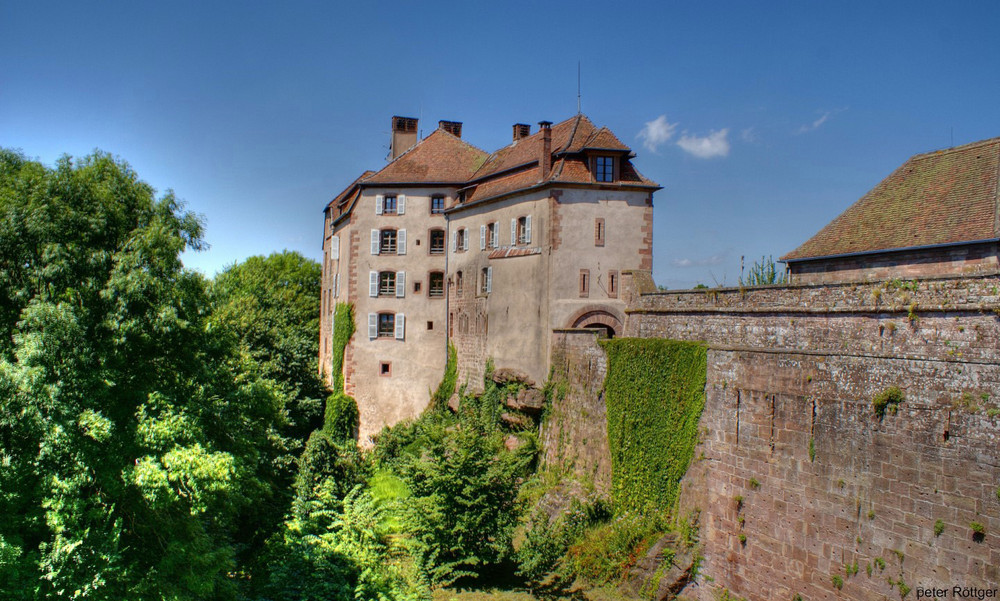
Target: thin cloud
x: 657, y: 132
x: 711, y: 146
x: 749, y: 135
x: 703, y: 262
x: 818, y: 122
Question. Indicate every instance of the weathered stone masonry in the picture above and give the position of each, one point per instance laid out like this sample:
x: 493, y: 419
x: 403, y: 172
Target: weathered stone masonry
x: 790, y: 365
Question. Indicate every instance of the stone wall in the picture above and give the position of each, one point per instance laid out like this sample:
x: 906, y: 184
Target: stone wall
x: 575, y: 433
x: 797, y: 461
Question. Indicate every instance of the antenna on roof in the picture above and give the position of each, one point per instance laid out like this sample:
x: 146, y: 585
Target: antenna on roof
x: 578, y: 87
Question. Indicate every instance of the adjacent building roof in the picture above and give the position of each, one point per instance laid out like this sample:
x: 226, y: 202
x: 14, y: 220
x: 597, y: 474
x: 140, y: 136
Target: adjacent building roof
x: 942, y: 197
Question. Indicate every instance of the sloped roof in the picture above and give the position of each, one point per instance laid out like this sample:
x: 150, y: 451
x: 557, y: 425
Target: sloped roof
x: 941, y: 197
x: 439, y: 158
x: 603, y: 139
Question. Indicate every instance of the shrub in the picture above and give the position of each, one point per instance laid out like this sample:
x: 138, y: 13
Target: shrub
x: 887, y: 401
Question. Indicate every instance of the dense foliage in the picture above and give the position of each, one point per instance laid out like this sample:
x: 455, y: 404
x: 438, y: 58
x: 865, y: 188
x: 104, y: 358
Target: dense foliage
x: 143, y: 447
x: 655, y: 392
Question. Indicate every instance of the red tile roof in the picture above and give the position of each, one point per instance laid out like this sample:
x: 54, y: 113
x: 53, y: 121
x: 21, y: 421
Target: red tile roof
x: 941, y: 197
x: 439, y: 158
x: 442, y: 158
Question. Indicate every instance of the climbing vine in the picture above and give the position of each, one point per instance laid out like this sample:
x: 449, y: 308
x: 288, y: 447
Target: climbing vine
x: 343, y: 329
x: 655, y: 392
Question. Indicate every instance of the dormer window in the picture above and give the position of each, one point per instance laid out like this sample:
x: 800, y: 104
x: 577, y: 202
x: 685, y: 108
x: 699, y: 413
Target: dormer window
x: 604, y: 169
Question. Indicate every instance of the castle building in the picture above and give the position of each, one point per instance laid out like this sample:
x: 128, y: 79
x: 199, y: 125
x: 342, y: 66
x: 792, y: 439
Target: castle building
x: 936, y: 215
x: 490, y: 252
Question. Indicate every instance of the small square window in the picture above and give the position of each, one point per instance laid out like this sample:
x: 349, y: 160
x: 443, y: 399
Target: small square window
x: 430, y: 325
x: 416, y: 287
x: 385, y: 369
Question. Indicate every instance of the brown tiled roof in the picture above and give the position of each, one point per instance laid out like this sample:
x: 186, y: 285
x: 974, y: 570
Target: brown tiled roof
x: 498, y: 186
x: 343, y: 197
x: 603, y: 139
x: 941, y: 197
x: 438, y: 158
x: 527, y: 150
x: 514, y: 251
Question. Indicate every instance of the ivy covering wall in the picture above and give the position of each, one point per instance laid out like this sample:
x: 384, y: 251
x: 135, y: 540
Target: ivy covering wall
x: 654, y: 392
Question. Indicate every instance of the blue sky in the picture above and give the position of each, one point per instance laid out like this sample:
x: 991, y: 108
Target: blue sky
x: 762, y: 121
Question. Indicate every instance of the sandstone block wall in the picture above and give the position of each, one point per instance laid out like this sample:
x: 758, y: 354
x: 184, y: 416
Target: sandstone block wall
x: 790, y: 366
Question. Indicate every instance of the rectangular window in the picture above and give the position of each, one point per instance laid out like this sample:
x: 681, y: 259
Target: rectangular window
x: 385, y: 369
x: 416, y: 287
x: 461, y: 240
x: 387, y: 241
x: 584, y: 283
x: 524, y: 230
x: 437, y: 242
x: 387, y: 283
x: 459, y: 283
x: 599, y: 231
x: 605, y: 171
x: 386, y: 325
x: 437, y: 205
x: 389, y: 205
x: 613, y: 284
x: 435, y: 289
x: 486, y: 283
x: 493, y: 235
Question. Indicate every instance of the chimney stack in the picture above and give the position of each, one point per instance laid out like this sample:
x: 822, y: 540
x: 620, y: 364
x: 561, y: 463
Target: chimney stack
x: 404, y: 136
x: 452, y: 127
x: 545, y: 161
x: 521, y: 130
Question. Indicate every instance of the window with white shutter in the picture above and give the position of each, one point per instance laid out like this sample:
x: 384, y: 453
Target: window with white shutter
x: 400, y: 326
x: 482, y: 237
x: 379, y: 202
x: 401, y: 242
x: 489, y: 280
x: 527, y: 229
x: 373, y: 283
x: 334, y: 247
x: 375, y: 241
x: 372, y: 326
x: 336, y: 286
x: 513, y: 232
x: 400, y: 284
x: 401, y: 204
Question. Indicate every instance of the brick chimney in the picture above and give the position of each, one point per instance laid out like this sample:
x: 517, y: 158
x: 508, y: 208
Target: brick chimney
x: 452, y: 127
x: 404, y: 136
x: 521, y: 130
x: 545, y: 161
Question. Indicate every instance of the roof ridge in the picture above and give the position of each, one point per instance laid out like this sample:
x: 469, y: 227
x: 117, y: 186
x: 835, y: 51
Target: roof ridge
x: 963, y: 147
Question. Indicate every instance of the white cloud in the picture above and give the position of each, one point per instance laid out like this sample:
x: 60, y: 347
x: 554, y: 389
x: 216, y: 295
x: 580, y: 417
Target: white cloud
x: 818, y: 122
x: 657, y: 132
x: 703, y: 262
x: 749, y: 135
x: 713, y: 145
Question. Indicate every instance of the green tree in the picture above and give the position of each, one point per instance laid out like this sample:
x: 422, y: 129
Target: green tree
x: 135, y: 437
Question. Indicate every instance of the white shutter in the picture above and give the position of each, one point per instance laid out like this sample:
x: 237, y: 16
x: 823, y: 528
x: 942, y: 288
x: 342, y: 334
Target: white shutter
x: 489, y: 280
x: 454, y: 241
x: 400, y: 326
x: 482, y: 237
x: 334, y: 247
x: 495, y: 230
x: 527, y: 229
x: 401, y: 204
x: 401, y: 242
x: 373, y: 283
x: 400, y: 284
x: 372, y: 326
x: 465, y: 239
x: 513, y: 232
x: 375, y: 242
x: 379, y: 203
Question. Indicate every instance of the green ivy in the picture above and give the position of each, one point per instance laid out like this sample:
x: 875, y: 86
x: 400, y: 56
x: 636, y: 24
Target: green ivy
x: 343, y: 329
x: 655, y: 392
x: 447, y: 387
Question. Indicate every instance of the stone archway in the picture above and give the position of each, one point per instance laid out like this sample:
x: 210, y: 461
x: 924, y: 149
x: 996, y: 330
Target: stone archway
x: 598, y: 318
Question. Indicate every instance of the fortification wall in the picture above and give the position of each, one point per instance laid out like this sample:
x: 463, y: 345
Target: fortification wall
x: 797, y: 462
